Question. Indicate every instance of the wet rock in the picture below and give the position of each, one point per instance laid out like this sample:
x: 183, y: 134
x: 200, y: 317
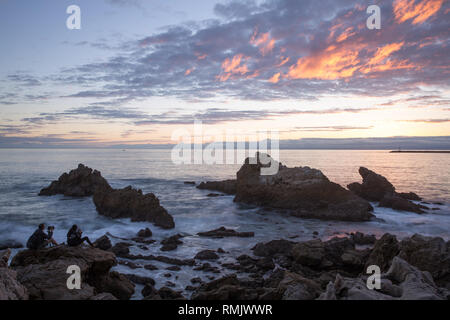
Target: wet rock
x: 385, y: 249
x: 140, y: 279
x: 103, y: 243
x: 43, y: 273
x: 10, y: 244
x: 398, y: 203
x: 150, y: 293
x: 206, y: 255
x: 144, y: 233
x: 169, y: 294
x: 171, y: 243
x: 190, y: 182
x: 80, y: 182
x: 303, y: 191
x: 132, y: 203
x: 196, y: 280
x: 121, y: 249
x: 296, y: 287
x: 213, y: 195
x: 227, y: 186
x: 173, y: 268
x: 273, y: 247
x: 220, y: 250
x: 130, y: 264
x: 206, y: 267
x: 409, y: 196
x: 150, y: 267
x: 310, y: 253
x: 222, y: 232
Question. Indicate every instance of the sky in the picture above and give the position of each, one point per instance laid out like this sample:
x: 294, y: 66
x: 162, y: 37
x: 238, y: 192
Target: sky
x: 139, y: 70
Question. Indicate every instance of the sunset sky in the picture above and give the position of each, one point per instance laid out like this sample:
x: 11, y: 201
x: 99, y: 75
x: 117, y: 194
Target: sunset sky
x: 140, y: 69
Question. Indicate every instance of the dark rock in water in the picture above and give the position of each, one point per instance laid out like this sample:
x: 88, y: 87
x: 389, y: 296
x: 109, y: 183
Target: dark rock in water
x: 170, y: 284
x: 363, y: 239
x: 206, y: 255
x: 214, y: 195
x: 169, y: 294
x: 171, y: 243
x: 10, y: 244
x: 374, y: 186
x: 103, y: 243
x: 80, y: 182
x: 129, y: 264
x: 222, y: 232
x: 132, y: 203
x: 190, y: 182
x: 43, y: 273
x: 397, y: 203
x: 206, y: 267
x: 227, y: 186
x: 220, y: 250
x: 150, y: 292
x: 121, y: 249
x: 385, y: 249
x: 144, y: 233
x: 196, y: 280
x: 173, y: 268
x: 303, y: 191
x: 140, y: 279
x: 150, y: 267
x: 273, y: 247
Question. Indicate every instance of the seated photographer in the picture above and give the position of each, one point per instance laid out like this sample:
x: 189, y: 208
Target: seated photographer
x: 50, y: 231
x: 74, y: 237
x: 39, y: 239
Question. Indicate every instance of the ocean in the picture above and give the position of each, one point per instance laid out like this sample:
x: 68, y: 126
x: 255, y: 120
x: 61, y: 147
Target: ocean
x: 23, y: 172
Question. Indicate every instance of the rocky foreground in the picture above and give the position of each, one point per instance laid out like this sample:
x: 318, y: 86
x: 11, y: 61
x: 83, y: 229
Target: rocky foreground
x: 415, y: 268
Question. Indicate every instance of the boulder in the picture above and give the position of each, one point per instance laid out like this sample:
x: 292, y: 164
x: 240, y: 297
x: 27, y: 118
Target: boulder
x: 171, y: 243
x: 103, y: 243
x: 132, y: 203
x: 385, y: 249
x: 227, y: 186
x: 10, y: 288
x: 144, y: 233
x: 222, y: 232
x: 44, y: 273
x: 303, y: 191
x: 272, y: 248
x: 296, y: 287
x: 206, y: 255
x: 374, y: 185
x: 398, y: 203
x: 80, y: 182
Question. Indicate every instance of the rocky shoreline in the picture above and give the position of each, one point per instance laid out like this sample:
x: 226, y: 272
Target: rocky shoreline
x: 413, y: 268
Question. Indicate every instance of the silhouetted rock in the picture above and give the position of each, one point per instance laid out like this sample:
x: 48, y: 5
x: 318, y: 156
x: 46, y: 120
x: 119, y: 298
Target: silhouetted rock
x: 103, y: 243
x: 303, y: 191
x: 226, y: 186
x: 132, y: 203
x: 144, y: 233
x: 80, y: 182
x: 398, y: 203
x: 206, y: 255
x: 171, y: 243
x: 222, y: 232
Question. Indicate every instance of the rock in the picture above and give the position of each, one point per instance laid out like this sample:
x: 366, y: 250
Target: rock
x: 140, y: 279
x: 103, y: 243
x: 398, y: 203
x: 10, y: 244
x: 103, y: 296
x: 150, y: 292
x: 115, y: 283
x: 80, y: 182
x: 129, y: 264
x: 227, y: 186
x: 362, y: 239
x: 385, y: 249
x: 222, y: 232
x: 4, y: 258
x: 169, y: 294
x: 303, y: 191
x: 309, y: 253
x: 10, y: 288
x: 409, y: 196
x: 206, y: 255
x: 43, y: 273
x: 374, y: 186
x: 150, y: 267
x: 196, y: 280
x: 144, y: 233
x: 132, y: 203
x: 430, y: 254
x: 296, y: 287
x: 190, y: 182
x: 213, y: 195
x: 329, y: 294
x: 273, y: 247
x: 171, y: 243
x: 173, y: 268
x: 121, y: 249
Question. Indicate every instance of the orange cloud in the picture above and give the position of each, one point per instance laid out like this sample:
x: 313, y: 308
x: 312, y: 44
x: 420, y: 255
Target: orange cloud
x: 233, y: 67
x: 189, y: 71
x: 405, y: 10
x: 201, y: 57
x: 283, y: 62
x: 263, y: 42
x: 376, y: 64
x: 275, y: 78
x: 346, y: 34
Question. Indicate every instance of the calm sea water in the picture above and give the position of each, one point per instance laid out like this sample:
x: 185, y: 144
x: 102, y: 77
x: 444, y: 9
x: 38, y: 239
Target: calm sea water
x: 24, y: 172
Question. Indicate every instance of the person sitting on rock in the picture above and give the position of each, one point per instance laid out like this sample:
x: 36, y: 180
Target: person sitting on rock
x: 50, y: 230
x: 39, y: 239
x: 74, y: 237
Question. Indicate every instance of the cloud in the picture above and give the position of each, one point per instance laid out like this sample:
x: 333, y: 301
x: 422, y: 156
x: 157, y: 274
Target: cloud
x: 427, y: 120
x: 330, y: 128
x: 419, y: 11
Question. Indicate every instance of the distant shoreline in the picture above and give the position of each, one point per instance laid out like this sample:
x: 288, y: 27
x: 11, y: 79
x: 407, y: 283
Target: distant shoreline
x: 420, y: 151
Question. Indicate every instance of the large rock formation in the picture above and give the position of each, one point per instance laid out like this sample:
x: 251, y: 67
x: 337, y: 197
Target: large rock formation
x: 132, y: 203
x: 375, y: 187
x: 305, y: 192
x: 10, y: 288
x: 226, y: 186
x: 44, y: 273
x: 80, y: 182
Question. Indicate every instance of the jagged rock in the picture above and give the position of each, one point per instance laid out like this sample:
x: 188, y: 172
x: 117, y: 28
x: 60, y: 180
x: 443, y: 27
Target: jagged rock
x: 206, y: 255
x: 80, y: 182
x: 10, y: 288
x: 43, y: 273
x: 303, y: 191
x: 296, y: 287
x: 398, y: 203
x: 121, y: 249
x: 222, y: 232
x: 385, y: 249
x: 10, y: 244
x: 4, y: 258
x: 103, y: 243
x: 227, y: 186
x: 309, y: 253
x: 430, y: 254
x: 171, y: 243
x: 144, y: 233
x: 273, y: 247
x: 132, y: 203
